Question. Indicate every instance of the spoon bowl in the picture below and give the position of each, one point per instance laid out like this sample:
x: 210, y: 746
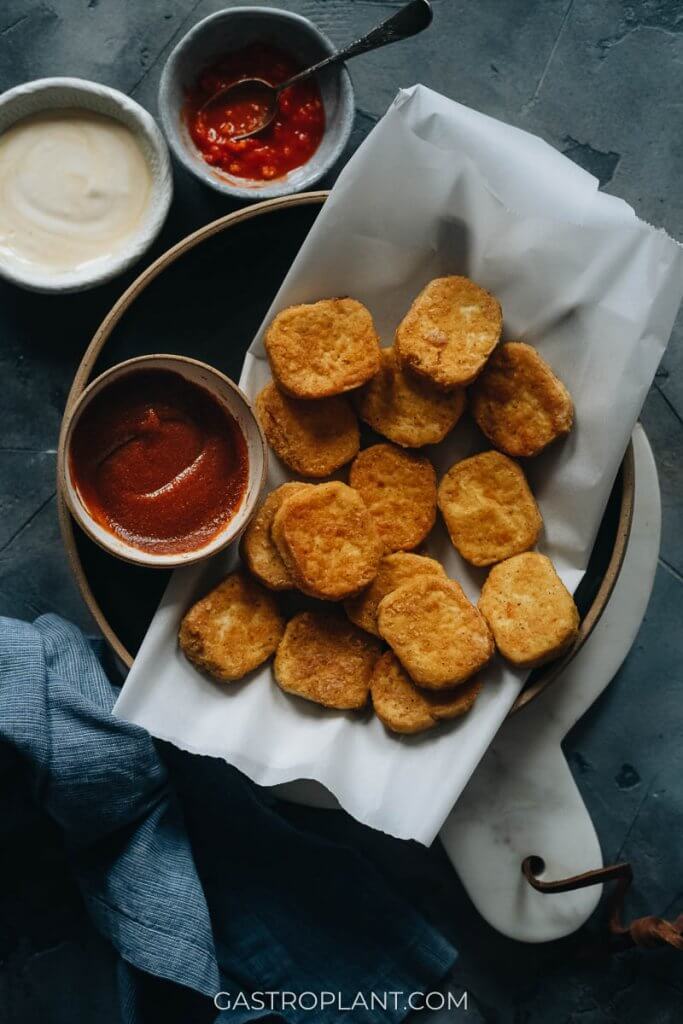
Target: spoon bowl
x: 247, y: 107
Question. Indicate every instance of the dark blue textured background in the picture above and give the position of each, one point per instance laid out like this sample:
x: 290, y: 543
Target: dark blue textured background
x: 601, y: 80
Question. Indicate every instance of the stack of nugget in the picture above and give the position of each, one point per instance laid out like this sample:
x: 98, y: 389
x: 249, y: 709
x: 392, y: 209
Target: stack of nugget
x: 408, y: 409
x: 405, y: 708
x: 257, y: 548
x: 488, y: 508
x: 449, y: 332
x: 394, y: 570
x: 399, y: 490
x: 519, y: 403
x: 531, y: 613
x: 314, y: 438
x: 438, y: 636
x: 326, y: 659
x: 328, y: 541
x: 323, y: 348
x: 233, y: 629
x: 353, y: 543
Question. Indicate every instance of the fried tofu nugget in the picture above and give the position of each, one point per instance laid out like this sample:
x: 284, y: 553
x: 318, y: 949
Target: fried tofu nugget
x: 488, y: 508
x: 322, y: 349
x: 519, y: 403
x: 257, y: 549
x: 438, y: 636
x: 233, y: 629
x: 405, y: 708
x: 453, y: 703
x: 328, y: 540
x: 407, y: 409
x: 530, y: 611
x: 394, y: 570
x: 449, y: 332
x: 399, y: 490
x: 326, y: 659
x: 312, y: 438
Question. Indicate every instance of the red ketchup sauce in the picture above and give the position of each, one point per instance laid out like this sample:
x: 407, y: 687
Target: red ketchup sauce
x: 159, y: 462
x: 288, y: 142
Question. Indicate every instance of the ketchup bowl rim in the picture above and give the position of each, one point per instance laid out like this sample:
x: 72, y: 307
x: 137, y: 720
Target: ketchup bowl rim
x: 232, y: 399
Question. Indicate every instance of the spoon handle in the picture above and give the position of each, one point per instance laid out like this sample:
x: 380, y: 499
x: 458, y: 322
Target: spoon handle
x: 408, y: 21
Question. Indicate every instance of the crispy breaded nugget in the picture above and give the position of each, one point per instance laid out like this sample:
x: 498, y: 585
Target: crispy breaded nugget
x: 519, y: 403
x: 488, y: 508
x: 438, y: 636
x: 257, y: 549
x: 233, y: 629
x: 530, y: 611
x: 328, y: 541
x: 453, y: 703
x: 407, y: 409
x: 322, y: 349
x: 312, y: 438
x: 326, y: 659
x: 399, y: 490
x: 449, y: 332
x: 396, y: 700
x: 405, y: 708
x: 394, y: 570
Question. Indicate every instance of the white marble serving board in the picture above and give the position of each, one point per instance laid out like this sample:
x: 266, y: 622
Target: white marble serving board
x: 522, y: 798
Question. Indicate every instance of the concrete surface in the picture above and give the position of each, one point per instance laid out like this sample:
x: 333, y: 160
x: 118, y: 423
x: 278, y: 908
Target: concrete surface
x: 599, y: 79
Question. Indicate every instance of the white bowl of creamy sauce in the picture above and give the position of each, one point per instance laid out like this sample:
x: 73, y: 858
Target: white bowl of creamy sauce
x: 85, y: 183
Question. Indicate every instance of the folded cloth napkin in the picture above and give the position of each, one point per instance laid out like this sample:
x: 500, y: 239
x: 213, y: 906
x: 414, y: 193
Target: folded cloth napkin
x: 206, y: 882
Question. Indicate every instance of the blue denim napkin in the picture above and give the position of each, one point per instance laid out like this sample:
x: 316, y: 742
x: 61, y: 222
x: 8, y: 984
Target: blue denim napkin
x: 202, y: 883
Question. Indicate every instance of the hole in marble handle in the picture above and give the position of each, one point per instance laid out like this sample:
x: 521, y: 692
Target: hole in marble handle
x: 536, y: 865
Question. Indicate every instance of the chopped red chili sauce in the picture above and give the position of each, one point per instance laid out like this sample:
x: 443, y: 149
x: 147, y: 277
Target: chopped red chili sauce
x: 287, y: 143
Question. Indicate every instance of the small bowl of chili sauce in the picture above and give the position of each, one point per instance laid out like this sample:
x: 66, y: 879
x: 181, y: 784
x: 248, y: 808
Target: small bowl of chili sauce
x: 162, y: 461
x: 314, y: 117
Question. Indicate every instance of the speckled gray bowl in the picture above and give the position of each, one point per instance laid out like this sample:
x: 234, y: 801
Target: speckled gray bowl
x: 230, y: 30
x: 62, y: 93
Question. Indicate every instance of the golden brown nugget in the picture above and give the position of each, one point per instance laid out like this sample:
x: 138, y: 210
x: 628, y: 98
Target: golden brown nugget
x: 396, y: 700
x: 446, y: 704
x: 407, y: 409
x: 233, y: 629
x: 328, y: 541
x: 312, y: 438
x: 403, y: 707
x: 488, y: 508
x: 530, y: 611
x: 519, y: 403
x: 399, y: 490
x: 326, y: 659
x: 449, y: 332
x: 322, y: 349
x: 438, y: 636
x: 257, y: 549
x: 394, y: 570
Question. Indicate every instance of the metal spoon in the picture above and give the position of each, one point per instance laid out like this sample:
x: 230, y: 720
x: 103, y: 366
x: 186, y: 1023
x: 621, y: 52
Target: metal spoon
x: 410, y: 20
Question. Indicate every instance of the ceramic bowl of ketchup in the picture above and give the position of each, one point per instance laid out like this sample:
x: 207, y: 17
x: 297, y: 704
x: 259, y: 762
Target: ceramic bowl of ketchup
x: 162, y: 461
x: 314, y: 118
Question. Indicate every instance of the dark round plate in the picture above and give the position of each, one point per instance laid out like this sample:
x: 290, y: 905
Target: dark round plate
x: 206, y: 297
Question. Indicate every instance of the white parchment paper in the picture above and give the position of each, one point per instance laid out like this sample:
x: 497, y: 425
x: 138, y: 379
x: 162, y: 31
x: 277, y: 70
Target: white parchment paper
x: 440, y: 189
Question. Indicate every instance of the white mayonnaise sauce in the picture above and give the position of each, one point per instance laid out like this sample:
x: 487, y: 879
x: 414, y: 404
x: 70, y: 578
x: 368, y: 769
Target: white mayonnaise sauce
x: 74, y: 187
